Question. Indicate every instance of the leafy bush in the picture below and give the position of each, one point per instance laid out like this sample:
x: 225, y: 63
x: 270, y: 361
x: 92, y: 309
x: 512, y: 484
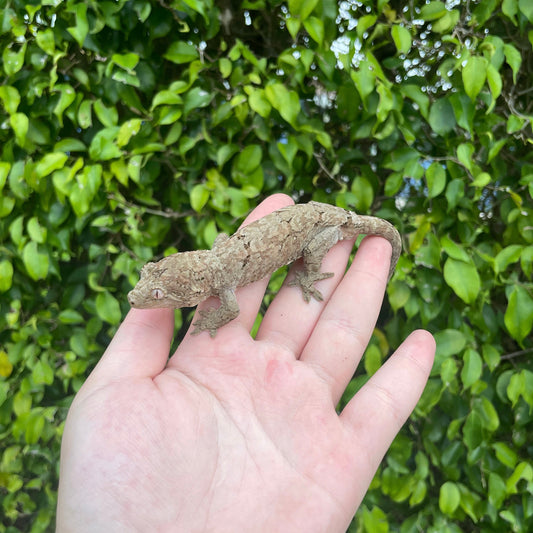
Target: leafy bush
x: 135, y: 128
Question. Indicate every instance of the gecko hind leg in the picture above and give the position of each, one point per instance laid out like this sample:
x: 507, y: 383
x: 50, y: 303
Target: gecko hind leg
x: 312, y: 256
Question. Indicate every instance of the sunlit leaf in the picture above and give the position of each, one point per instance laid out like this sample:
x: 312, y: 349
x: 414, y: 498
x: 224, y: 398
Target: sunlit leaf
x: 519, y: 313
x: 463, y: 278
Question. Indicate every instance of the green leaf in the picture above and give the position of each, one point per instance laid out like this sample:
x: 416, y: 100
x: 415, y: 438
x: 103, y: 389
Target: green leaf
x: 482, y: 180
x: 33, y: 426
x: 108, y: 308
x: 315, y: 28
x: 464, y: 111
x: 6, y: 275
x: 69, y: 144
x: 463, y: 278
x: 81, y: 29
x: 249, y: 159
x: 375, y: 520
x: 454, y: 250
x: 414, y: 92
x: 10, y: 98
x: 286, y: 102
x: 465, y: 151
x: 84, y: 188
x: 35, y: 261
x: 70, y: 316
x: 288, y: 149
x: 491, y: 356
x: 36, y: 232
x: 42, y: 373
x: 45, y: 41
x: 13, y: 61
x: 473, y: 430
x: 441, y: 117
x: 239, y: 205
x: 258, y: 102
x: 488, y: 414
x: 67, y: 95
x: 449, y: 342
x: 127, y: 130
x: 108, y: 116
x: 472, y: 367
x: 483, y: 11
x: 198, y: 197
x: 449, y: 498
x: 402, y: 38
x: 495, y: 81
x: 510, y: 9
x: 84, y: 115
x: 103, y: 146
x: 505, y: 454
x: 6, y: 367
x: 436, y: 179
x: 166, y: 97
x: 363, y: 194
x: 518, y: 316
x: 302, y: 8
x: 513, y: 58
x: 524, y: 471
x: 49, y: 163
x: 455, y: 193
x: 181, y: 52
x: 497, y: 490
x: 474, y: 75
x: 509, y: 255
x: 364, y: 79
x: 433, y: 11
x: 526, y: 7
x: 20, y: 124
x: 293, y: 26
x: 386, y: 102
x: 226, y: 66
x: 196, y: 98
x: 126, y: 61
x: 446, y: 22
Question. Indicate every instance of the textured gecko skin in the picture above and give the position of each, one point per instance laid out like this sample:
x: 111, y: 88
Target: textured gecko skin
x: 255, y: 251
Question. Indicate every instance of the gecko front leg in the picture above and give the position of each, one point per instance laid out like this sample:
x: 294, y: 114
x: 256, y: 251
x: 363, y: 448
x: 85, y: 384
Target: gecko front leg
x: 215, y: 317
x: 312, y: 256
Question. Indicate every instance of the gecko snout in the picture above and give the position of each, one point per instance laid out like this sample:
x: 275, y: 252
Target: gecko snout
x: 131, y: 300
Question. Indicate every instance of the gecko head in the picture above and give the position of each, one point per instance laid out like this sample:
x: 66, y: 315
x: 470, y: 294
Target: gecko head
x: 176, y: 281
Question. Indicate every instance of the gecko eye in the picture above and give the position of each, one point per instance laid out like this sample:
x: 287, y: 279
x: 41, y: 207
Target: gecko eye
x: 158, y: 294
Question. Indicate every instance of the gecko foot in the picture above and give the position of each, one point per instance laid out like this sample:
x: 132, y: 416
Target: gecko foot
x: 205, y: 323
x: 306, y: 281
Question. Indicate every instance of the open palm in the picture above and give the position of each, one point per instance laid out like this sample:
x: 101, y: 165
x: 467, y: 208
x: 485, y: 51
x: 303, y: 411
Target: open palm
x: 240, y: 434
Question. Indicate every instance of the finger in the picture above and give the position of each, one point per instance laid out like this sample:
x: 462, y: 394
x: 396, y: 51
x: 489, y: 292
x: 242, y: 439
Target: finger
x: 377, y: 412
x: 140, y: 347
x: 345, y: 326
x: 250, y: 296
x: 289, y: 320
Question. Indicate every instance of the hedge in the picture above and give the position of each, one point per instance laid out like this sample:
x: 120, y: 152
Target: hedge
x: 131, y: 129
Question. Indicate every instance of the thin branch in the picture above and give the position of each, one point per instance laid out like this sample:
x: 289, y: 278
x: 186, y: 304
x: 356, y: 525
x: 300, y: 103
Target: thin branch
x: 512, y: 355
x: 167, y: 213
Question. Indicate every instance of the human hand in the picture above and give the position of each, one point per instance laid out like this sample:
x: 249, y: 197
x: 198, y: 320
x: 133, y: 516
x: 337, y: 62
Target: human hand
x: 235, y: 434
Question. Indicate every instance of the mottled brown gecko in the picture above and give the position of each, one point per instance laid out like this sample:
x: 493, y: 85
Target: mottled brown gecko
x: 304, y: 230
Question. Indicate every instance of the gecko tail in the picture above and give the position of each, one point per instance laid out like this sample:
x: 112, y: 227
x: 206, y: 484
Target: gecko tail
x: 369, y: 225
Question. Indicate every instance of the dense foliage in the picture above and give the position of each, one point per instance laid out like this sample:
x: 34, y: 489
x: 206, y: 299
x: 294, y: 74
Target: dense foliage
x: 134, y: 128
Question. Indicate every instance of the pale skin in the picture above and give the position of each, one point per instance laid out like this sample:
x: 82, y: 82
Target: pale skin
x: 239, y: 434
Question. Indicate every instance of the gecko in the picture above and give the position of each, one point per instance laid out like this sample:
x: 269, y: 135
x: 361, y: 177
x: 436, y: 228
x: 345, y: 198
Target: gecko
x: 306, y: 231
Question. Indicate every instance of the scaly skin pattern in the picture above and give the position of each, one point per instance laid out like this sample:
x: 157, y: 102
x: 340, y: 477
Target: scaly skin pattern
x: 304, y: 230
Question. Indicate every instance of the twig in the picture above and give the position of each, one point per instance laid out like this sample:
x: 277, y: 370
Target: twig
x: 512, y: 355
